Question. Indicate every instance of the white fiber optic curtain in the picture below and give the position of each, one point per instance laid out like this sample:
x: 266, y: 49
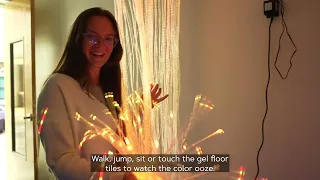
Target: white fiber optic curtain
x: 149, y: 33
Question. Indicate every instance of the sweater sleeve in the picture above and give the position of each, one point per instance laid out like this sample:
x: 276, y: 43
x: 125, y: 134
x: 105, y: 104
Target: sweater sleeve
x: 57, y: 136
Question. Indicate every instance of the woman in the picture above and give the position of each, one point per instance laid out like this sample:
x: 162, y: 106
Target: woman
x: 89, y: 67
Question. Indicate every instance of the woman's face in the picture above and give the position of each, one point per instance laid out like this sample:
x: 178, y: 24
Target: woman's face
x: 98, y: 41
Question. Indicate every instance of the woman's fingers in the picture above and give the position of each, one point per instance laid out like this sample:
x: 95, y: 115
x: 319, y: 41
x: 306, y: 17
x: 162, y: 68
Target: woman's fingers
x: 163, y: 98
x: 157, y: 94
x: 154, y: 89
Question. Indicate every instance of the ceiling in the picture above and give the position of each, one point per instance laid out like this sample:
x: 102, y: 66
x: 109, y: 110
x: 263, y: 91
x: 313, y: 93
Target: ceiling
x: 15, y: 1
x: 21, y: 1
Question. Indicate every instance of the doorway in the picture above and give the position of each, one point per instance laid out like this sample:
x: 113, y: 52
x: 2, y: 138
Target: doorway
x: 19, y: 91
x: 2, y: 100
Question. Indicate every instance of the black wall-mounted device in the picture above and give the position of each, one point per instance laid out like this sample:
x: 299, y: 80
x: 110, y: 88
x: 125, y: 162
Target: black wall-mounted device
x: 271, y: 8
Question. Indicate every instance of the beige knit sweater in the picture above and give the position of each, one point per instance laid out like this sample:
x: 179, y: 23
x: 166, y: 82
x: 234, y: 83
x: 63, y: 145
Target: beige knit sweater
x: 61, y: 133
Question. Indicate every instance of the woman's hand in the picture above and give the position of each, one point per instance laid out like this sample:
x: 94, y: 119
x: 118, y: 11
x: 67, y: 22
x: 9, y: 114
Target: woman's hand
x: 155, y: 92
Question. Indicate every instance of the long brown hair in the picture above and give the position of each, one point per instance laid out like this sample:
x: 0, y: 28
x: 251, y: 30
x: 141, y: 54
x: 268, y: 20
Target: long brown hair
x: 74, y: 63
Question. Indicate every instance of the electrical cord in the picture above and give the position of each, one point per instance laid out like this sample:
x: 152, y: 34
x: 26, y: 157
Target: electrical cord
x: 284, y: 28
x: 266, y: 95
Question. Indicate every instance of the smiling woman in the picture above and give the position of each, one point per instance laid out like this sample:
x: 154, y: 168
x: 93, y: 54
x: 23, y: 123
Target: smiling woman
x: 89, y: 68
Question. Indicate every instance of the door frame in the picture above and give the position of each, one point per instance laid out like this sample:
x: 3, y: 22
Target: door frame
x: 34, y: 101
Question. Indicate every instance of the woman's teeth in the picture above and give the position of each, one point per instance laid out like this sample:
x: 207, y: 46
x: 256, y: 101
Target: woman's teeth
x: 98, y: 54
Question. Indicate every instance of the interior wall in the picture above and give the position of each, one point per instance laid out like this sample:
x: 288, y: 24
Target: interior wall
x: 1, y: 33
x: 48, y: 32
x: 2, y: 43
x: 227, y: 51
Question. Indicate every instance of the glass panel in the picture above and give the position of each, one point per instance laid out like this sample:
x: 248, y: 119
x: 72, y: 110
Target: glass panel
x: 18, y: 98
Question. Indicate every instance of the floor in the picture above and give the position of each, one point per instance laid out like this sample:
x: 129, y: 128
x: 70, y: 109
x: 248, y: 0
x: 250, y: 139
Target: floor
x: 3, y: 161
x: 15, y: 160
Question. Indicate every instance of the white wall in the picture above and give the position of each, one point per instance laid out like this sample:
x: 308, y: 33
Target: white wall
x: 17, y: 26
x: 2, y: 43
x: 48, y: 28
x: 1, y: 33
x: 226, y: 43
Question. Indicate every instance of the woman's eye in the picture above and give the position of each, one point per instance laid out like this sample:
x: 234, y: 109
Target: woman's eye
x: 109, y: 38
x: 93, y: 37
